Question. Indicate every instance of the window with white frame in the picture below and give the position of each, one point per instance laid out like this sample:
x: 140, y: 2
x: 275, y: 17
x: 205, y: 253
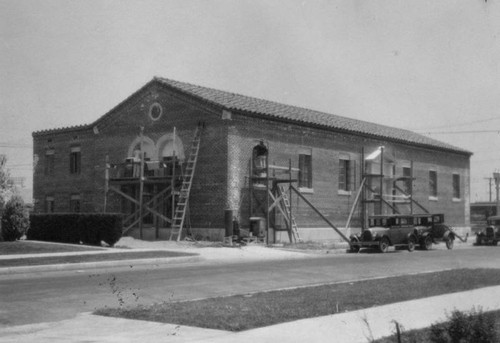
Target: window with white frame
x: 456, y: 186
x: 305, y: 169
x: 49, y: 162
x: 433, y: 186
x: 75, y: 160
x: 407, y: 183
x: 345, y: 172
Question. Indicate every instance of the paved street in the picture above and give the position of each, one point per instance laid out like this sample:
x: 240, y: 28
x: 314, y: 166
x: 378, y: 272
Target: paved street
x: 53, y: 296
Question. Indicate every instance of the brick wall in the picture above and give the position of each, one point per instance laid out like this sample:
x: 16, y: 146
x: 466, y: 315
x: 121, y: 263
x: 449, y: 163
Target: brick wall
x: 61, y: 184
x: 221, y: 178
x: 115, y: 133
x: 286, y: 140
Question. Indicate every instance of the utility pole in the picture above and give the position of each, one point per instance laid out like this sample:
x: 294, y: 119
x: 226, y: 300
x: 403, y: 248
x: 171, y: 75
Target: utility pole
x: 490, y: 179
x: 141, y: 185
x: 496, y: 176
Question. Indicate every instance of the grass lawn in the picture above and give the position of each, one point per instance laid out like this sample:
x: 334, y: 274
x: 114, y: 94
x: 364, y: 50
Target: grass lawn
x: 243, y: 312
x: 28, y: 247
x: 35, y: 261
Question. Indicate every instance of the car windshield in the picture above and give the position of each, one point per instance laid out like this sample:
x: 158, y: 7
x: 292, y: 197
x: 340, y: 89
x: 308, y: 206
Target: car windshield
x: 494, y: 222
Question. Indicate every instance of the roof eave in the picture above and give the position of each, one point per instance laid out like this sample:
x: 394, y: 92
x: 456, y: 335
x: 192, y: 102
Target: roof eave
x: 352, y: 132
x: 61, y: 130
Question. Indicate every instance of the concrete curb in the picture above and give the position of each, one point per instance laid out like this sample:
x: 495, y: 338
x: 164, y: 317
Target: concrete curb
x: 339, y: 249
x: 82, y: 253
x: 355, y: 326
x: 97, y: 265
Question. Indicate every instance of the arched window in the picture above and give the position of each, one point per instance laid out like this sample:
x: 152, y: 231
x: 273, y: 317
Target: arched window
x: 168, y: 144
x: 148, y: 147
x: 259, y: 157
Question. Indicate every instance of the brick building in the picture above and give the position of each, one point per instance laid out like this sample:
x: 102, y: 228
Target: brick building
x: 84, y: 168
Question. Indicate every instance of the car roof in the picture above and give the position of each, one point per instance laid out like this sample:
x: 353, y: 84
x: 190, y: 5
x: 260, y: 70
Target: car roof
x: 493, y: 217
x: 407, y: 215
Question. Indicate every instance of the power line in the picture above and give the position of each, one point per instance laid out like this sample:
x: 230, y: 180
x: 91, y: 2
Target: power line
x: 485, y: 160
x: 460, y: 132
x: 461, y: 124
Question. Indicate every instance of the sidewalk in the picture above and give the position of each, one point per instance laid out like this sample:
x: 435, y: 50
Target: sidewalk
x: 201, y: 253
x: 344, y: 327
x: 347, y: 327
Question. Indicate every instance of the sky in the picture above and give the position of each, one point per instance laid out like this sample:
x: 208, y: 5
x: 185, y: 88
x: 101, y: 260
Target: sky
x: 428, y: 66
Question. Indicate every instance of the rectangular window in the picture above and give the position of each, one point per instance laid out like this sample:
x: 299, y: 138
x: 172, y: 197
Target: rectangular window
x: 49, y: 162
x: 456, y: 186
x: 75, y: 162
x: 305, y: 171
x: 49, y: 204
x: 344, y: 175
x: 407, y: 180
x: 74, y: 203
x: 433, y: 183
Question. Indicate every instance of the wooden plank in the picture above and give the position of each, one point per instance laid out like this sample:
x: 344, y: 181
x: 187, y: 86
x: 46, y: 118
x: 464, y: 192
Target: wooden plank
x: 127, y: 229
x: 320, y: 214
x: 279, y: 207
x: 360, y: 190
x: 412, y: 200
x: 275, y: 200
x: 283, y: 168
x: 128, y: 197
x: 382, y: 200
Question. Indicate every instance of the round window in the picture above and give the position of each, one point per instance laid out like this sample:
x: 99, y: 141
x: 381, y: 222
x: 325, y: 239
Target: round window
x: 155, y: 111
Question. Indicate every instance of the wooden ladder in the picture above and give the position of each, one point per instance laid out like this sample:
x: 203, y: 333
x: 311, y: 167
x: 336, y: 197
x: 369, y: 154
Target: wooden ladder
x: 291, y: 219
x: 183, y: 202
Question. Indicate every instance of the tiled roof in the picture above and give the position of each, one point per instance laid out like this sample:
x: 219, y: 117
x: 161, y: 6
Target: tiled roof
x: 271, y: 109
x: 62, y: 129
x: 237, y: 102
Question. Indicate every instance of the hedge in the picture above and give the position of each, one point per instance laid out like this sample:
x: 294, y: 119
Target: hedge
x: 76, y: 228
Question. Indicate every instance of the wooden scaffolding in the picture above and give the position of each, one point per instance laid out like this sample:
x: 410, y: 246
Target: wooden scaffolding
x: 272, y: 194
x: 154, y: 193
x: 373, y: 193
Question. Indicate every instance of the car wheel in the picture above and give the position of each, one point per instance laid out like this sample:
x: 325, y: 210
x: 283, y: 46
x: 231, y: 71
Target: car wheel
x: 383, y: 245
x: 427, y: 245
x: 411, y: 243
x: 354, y: 248
x: 495, y: 242
x: 449, y: 243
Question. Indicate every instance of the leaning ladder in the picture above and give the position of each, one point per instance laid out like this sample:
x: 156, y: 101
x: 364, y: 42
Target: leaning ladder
x: 182, y: 204
x: 291, y: 219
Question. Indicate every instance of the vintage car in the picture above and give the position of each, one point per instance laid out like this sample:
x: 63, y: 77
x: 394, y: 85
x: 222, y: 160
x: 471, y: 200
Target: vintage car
x: 491, y: 234
x: 385, y: 231
x: 430, y: 229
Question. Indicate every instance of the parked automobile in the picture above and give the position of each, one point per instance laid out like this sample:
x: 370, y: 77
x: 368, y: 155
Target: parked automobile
x: 430, y: 229
x: 491, y: 234
x: 385, y: 231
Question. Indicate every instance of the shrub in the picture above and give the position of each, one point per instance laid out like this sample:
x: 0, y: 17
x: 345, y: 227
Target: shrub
x: 62, y: 228
x: 15, y: 220
x: 76, y: 228
x: 473, y: 327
